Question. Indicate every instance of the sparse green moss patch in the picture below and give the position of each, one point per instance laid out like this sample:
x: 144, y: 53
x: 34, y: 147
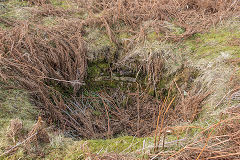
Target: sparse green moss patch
x: 152, y: 36
x: 118, y: 145
x: 49, y: 21
x: 96, y: 69
x: 61, y: 3
x: 100, y: 47
x: 15, y: 104
x: 124, y: 35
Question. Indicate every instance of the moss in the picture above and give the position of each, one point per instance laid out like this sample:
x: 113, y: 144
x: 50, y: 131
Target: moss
x: 61, y: 3
x: 66, y: 92
x: 151, y: 91
x: 15, y: 103
x: 103, y: 66
x: 194, y: 131
x: 100, y: 47
x: 49, y: 21
x: 152, y: 36
x: 95, y: 69
x: 123, y: 38
x: 97, y: 113
x: 105, y: 41
x: 118, y: 145
x: 64, y: 148
x: 100, y: 85
x: 124, y: 35
x: 180, y: 30
x: 174, y: 29
x: 3, y: 26
x: 205, y: 119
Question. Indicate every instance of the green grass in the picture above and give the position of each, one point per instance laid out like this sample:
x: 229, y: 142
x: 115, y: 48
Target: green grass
x: 64, y: 148
x: 15, y: 104
x: 214, y: 43
x: 117, y: 145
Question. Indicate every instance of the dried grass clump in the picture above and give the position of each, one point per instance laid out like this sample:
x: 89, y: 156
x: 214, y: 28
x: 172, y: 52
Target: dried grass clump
x: 190, y: 105
x: 14, y: 129
x: 49, y: 10
x: 45, y: 62
x: 37, y: 135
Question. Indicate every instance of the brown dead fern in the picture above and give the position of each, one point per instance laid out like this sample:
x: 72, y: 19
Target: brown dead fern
x: 14, y: 129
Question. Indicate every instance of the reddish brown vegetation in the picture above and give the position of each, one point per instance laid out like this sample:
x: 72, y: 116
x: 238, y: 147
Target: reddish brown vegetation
x: 193, y: 16
x: 223, y: 144
x: 42, y: 60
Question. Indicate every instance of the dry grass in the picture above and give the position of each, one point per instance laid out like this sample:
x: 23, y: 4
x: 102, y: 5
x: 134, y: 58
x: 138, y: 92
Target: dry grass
x: 41, y: 60
x: 190, y: 105
x: 14, y: 129
x: 36, y: 136
x: 223, y: 144
x: 190, y: 15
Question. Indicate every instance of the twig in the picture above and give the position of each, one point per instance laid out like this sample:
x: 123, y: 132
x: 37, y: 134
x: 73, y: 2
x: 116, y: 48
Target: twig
x: 163, y: 120
x: 221, y: 156
x: 213, y: 126
x: 179, y: 90
x: 138, y: 110
x: 109, y: 130
x: 162, y: 109
x: 159, y: 114
x: 5, y: 153
x: 59, y: 80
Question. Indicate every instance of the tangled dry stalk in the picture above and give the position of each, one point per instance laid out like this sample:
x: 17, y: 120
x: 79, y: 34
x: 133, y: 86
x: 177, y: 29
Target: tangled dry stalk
x: 192, y: 16
x: 42, y: 60
x: 49, y: 62
x: 224, y: 144
x: 36, y: 136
